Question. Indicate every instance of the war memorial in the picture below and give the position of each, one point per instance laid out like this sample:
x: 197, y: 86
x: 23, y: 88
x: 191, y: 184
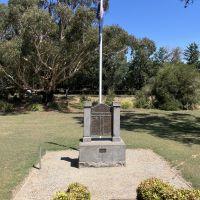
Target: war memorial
x: 101, y: 145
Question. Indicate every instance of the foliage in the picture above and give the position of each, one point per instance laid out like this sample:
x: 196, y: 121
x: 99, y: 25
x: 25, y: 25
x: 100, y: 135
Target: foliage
x: 6, y: 107
x: 126, y: 104
x: 177, y: 87
x: 192, y: 54
x: 143, y: 99
x: 64, y: 196
x: 3, y: 20
x: 79, y: 191
x: 48, y: 46
x: 156, y: 189
x: 141, y: 67
x: 54, y: 106
x: 162, y: 55
x: 84, y: 98
x: 95, y: 102
x: 176, y: 55
x: 187, y: 2
x: 35, y: 107
x: 115, y: 66
x: 110, y: 98
x: 75, y: 191
x: 116, y: 42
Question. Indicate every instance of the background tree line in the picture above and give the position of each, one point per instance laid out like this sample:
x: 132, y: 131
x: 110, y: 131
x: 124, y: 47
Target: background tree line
x: 47, y: 45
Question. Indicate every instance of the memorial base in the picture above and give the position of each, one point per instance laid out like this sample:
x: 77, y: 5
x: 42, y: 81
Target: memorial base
x: 102, y: 154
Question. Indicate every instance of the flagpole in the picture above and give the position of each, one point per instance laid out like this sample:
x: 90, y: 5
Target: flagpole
x: 100, y: 55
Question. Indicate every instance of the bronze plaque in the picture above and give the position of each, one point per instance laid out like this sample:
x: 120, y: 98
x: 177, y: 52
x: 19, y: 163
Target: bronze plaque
x: 101, y: 121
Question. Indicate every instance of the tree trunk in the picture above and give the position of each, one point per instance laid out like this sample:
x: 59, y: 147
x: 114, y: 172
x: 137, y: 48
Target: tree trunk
x: 48, y: 97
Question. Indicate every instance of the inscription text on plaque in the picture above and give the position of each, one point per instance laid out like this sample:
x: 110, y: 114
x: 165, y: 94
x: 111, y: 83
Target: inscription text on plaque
x: 101, y: 121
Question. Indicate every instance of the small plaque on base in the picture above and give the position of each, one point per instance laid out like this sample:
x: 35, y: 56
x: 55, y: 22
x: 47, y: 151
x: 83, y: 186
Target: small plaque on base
x: 102, y: 154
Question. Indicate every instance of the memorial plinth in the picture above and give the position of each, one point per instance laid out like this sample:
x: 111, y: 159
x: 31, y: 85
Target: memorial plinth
x: 102, y: 145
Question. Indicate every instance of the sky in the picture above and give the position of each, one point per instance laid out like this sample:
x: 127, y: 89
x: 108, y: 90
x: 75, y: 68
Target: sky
x: 166, y: 22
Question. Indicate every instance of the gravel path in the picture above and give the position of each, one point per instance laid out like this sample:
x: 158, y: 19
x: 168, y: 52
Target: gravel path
x: 59, y: 169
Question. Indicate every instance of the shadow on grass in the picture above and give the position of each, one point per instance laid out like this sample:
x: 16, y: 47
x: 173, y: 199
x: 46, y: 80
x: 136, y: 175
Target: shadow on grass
x: 180, y: 127
x: 73, y: 148
x: 13, y: 113
x: 80, y: 120
x: 61, y: 145
x: 56, y: 144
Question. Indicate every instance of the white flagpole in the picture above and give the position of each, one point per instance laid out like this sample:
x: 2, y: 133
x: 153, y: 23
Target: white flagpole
x: 100, y: 55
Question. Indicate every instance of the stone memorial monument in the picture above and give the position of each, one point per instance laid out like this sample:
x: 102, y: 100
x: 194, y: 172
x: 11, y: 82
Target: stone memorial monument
x: 102, y: 145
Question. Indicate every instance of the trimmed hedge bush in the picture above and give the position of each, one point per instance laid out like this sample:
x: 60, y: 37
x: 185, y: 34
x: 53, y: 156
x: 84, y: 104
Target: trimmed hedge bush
x: 155, y: 189
x: 75, y: 191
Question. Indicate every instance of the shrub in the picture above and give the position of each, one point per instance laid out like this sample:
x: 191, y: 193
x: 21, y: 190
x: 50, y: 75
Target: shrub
x: 75, y: 191
x: 126, y: 104
x: 84, y: 98
x: 6, y: 107
x: 177, y: 87
x: 143, y: 100
x: 156, y: 189
x: 110, y: 97
x: 35, y: 107
x: 170, y: 103
x: 54, y: 106
x: 95, y: 102
x: 63, y: 196
x: 79, y: 191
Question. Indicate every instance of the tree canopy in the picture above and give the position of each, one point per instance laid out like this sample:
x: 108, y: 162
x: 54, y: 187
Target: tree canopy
x: 47, y: 45
x: 44, y: 43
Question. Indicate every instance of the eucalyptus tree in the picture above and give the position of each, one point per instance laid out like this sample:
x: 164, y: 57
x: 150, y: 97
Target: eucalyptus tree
x: 3, y: 20
x: 176, y: 55
x: 141, y: 66
x: 48, y: 43
x: 116, y: 44
x: 115, y: 64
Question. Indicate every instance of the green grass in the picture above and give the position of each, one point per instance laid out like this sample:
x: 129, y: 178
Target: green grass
x: 20, y: 137
x: 173, y: 135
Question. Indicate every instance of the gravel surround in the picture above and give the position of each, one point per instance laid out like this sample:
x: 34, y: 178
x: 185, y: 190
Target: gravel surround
x: 59, y: 169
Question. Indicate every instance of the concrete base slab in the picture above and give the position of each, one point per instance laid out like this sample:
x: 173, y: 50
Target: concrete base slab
x: 102, y: 154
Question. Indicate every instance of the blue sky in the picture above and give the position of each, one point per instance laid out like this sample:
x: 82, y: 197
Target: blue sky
x: 166, y: 22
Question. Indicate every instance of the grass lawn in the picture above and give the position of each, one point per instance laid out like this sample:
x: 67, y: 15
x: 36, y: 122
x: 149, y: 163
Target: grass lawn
x: 173, y: 135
